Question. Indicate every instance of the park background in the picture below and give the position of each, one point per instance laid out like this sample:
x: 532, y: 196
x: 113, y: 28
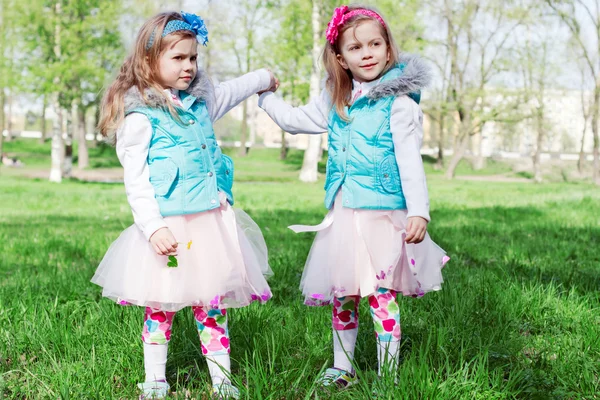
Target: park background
x: 511, y: 152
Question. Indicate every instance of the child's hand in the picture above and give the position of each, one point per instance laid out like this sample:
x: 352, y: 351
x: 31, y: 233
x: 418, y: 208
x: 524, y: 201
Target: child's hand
x: 164, y: 242
x: 274, y: 84
x: 416, y: 229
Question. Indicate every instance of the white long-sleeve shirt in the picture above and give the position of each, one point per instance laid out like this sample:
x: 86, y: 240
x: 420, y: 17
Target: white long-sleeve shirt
x: 406, y: 124
x: 133, y: 143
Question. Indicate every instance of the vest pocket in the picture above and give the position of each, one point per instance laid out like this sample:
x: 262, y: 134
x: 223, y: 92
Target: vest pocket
x: 388, y: 174
x: 164, y: 177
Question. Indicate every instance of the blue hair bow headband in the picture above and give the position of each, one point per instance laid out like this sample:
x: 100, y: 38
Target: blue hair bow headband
x: 191, y: 22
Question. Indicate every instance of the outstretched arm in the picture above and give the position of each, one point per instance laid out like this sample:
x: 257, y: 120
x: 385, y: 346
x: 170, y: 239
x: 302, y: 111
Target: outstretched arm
x: 231, y: 93
x: 311, y: 118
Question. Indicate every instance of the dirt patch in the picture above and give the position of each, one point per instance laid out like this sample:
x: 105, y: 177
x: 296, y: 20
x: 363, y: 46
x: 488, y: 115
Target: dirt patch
x: 493, y: 178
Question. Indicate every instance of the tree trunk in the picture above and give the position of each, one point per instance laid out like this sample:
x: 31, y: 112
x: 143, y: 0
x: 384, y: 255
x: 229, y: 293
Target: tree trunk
x: 537, y: 171
x: 461, y: 147
x: 43, y: 127
x: 68, y: 154
x: 95, y: 125
x: 284, y: 147
x: 439, y: 164
x: 595, y: 117
x: 581, y: 159
x: 58, y: 149
x: 2, y: 119
x: 586, y: 116
x: 83, y: 158
x: 244, y: 137
x: 68, y: 159
x: 9, y: 117
x: 2, y: 80
x: 479, y: 162
x: 309, y: 171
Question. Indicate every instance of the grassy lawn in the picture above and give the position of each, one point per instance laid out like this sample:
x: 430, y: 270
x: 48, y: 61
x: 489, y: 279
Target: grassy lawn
x: 518, y: 316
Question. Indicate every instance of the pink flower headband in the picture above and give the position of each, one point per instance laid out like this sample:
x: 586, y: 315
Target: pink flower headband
x: 340, y: 17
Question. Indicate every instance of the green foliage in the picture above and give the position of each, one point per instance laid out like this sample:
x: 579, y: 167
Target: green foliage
x: 289, y: 49
x: 405, y: 23
x: 10, y: 43
x: 90, y: 47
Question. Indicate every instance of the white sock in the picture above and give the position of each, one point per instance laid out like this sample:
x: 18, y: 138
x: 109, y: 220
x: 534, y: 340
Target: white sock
x: 388, y: 354
x: 155, y: 361
x: 219, y: 368
x: 343, y: 348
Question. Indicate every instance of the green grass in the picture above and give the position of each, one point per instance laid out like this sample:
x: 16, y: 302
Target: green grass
x: 518, y: 316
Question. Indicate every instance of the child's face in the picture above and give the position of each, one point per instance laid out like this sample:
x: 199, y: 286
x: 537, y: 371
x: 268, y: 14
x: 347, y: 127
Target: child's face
x: 364, y: 51
x: 177, y: 65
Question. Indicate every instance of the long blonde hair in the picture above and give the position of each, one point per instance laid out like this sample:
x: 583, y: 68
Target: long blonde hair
x: 339, y: 80
x: 140, y: 69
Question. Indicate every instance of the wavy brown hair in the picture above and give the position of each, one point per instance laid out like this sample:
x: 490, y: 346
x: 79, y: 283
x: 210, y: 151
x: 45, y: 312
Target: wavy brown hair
x: 140, y: 69
x: 339, y: 80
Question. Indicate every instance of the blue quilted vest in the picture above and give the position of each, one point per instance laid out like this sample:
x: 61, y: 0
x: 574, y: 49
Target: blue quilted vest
x: 187, y: 168
x: 361, y: 154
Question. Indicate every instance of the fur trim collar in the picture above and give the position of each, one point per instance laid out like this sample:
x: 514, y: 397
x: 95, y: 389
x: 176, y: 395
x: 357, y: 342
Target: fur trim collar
x: 414, y: 78
x: 201, y: 88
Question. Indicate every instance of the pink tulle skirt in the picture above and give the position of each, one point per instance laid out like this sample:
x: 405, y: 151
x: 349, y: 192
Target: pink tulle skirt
x: 222, y: 263
x: 358, y: 251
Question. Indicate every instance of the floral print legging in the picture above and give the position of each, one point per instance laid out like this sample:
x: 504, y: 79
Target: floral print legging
x: 211, y: 324
x: 384, y: 310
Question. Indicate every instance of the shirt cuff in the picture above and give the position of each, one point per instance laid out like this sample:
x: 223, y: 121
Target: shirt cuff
x: 419, y: 213
x: 265, y: 78
x: 264, y: 97
x: 152, y: 226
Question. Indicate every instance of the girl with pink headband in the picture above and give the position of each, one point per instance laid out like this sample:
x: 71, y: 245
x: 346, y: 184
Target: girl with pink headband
x: 373, y: 241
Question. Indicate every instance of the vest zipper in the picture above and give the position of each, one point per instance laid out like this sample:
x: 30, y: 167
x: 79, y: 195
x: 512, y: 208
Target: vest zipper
x: 182, y: 171
x: 202, y: 140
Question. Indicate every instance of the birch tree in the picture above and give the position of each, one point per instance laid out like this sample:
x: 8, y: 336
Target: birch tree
x: 477, y: 39
x: 582, y: 18
x: 241, y: 36
x: 9, y: 40
x: 290, y: 54
x: 310, y: 162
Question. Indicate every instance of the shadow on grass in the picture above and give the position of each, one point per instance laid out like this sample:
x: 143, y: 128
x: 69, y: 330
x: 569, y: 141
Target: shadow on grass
x: 296, y: 157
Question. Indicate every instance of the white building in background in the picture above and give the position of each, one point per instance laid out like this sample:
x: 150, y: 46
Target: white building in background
x: 564, y: 120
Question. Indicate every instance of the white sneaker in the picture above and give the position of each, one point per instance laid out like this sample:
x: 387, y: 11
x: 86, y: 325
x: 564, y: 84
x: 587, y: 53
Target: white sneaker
x: 225, y: 390
x: 154, y: 390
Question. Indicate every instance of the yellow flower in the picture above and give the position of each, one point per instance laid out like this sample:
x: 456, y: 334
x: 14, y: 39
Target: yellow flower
x: 189, y: 244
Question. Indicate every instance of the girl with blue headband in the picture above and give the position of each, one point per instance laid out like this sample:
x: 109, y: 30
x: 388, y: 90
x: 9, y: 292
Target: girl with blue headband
x: 187, y: 246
